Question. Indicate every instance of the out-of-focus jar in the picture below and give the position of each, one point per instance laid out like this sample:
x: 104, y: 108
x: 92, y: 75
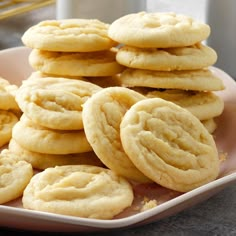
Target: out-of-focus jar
x: 104, y: 10
x: 221, y: 16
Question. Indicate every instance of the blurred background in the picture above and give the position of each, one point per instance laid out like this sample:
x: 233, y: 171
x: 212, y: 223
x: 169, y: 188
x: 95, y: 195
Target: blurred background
x: 220, y: 15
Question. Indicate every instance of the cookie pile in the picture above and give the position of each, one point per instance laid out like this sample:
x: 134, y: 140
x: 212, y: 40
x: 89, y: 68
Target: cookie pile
x: 9, y: 110
x: 72, y: 48
x: 52, y: 104
x: 165, y: 57
x: 116, y: 136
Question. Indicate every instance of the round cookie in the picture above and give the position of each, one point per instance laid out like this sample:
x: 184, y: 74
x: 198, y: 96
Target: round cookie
x: 204, y: 105
x: 7, y: 92
x: 102, y: 114
x: 101, y: 63
x: 78, y: 190
x: 55, y: 103
x: 210, y: 125
x: 193, y: 57
x: 200, y: 80
x: 42, y: 161
x: 158, y: 30
x: 15, y: 174
x: 69, y: 35
x: 7, y: 121
x: 169, y: 145
x: 40, y: 139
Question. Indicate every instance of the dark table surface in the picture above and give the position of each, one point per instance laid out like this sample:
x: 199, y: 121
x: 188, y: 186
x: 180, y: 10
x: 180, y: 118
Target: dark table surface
x: 215, y: 216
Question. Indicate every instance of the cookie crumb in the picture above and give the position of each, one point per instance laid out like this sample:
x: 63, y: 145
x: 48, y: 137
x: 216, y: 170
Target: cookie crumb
x: 148, y: 204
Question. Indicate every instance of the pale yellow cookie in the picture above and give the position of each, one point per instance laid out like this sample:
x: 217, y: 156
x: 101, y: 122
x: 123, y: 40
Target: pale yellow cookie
x: 55, y: 103
x: 69, y: 35
x: 15, y: 174
x: 193, y: 57
x: 78, y: 190
x: 42, y: 161
x: 204, y: 105
x: 158, y: 30
x: 200, y: 80
x: 7, y: 99
x: 210, y: 125
x: 169, y: 145
x: 102, y: 63
x: 102, y: 114
x: 36, y: 138
x: 7, y: 121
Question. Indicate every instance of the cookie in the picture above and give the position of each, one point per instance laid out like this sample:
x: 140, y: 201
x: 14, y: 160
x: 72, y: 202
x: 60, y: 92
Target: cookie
x: 169, y: 145
x: 102, y: 63
x: 78, y: 190
x: 193, y: 57
x: 37, y: 138
x: 102, y: 114
x: 55, y: 103
x: 200, y: 80
x: 15, y: 174
x: 7, y: 121
x: 42, y: 161
x: 210, y: 125
x: 7, y: 92
x: 158, y: 30
x: 204, y: 105
x: 69, y: 35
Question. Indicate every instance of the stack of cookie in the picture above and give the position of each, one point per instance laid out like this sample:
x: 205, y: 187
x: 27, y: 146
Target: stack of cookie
x: 52, y: 122
x: 9, y: 110
x: 72, y: 48
x: 51, y: 99
x: 165, y: 57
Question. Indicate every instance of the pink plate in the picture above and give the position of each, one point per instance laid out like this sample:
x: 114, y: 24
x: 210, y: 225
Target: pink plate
x: 14, y: 67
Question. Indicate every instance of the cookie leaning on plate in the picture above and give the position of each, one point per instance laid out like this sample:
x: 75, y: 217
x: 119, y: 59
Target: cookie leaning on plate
x: 158, y: 30
x: 180, y: 154
x: 69, y: 35
x: 192, y: 57
x: 79, y: 190
x: 102, y: 114
x: 15, y: 174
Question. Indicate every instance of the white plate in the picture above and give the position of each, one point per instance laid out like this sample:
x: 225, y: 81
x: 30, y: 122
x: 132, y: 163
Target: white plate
x: 14, y: 67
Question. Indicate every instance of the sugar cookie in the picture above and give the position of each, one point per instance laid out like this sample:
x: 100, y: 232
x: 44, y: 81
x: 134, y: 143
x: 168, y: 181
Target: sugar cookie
x: 37, y: 138
x: 69, y: 35
x: 7, y: 121
x: 193, y: 57
x: 14, y: 176
x: 55, y: 103
x: 158, y: 30
x: 7, y: 99
x: 79, y: 190
x: 102, y: 114
x: 204, y: 105
x: 42, y: 161
x: 102, y: 63
x: 210, y: 125
x: 169, y: 145
x: 201, y: 80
